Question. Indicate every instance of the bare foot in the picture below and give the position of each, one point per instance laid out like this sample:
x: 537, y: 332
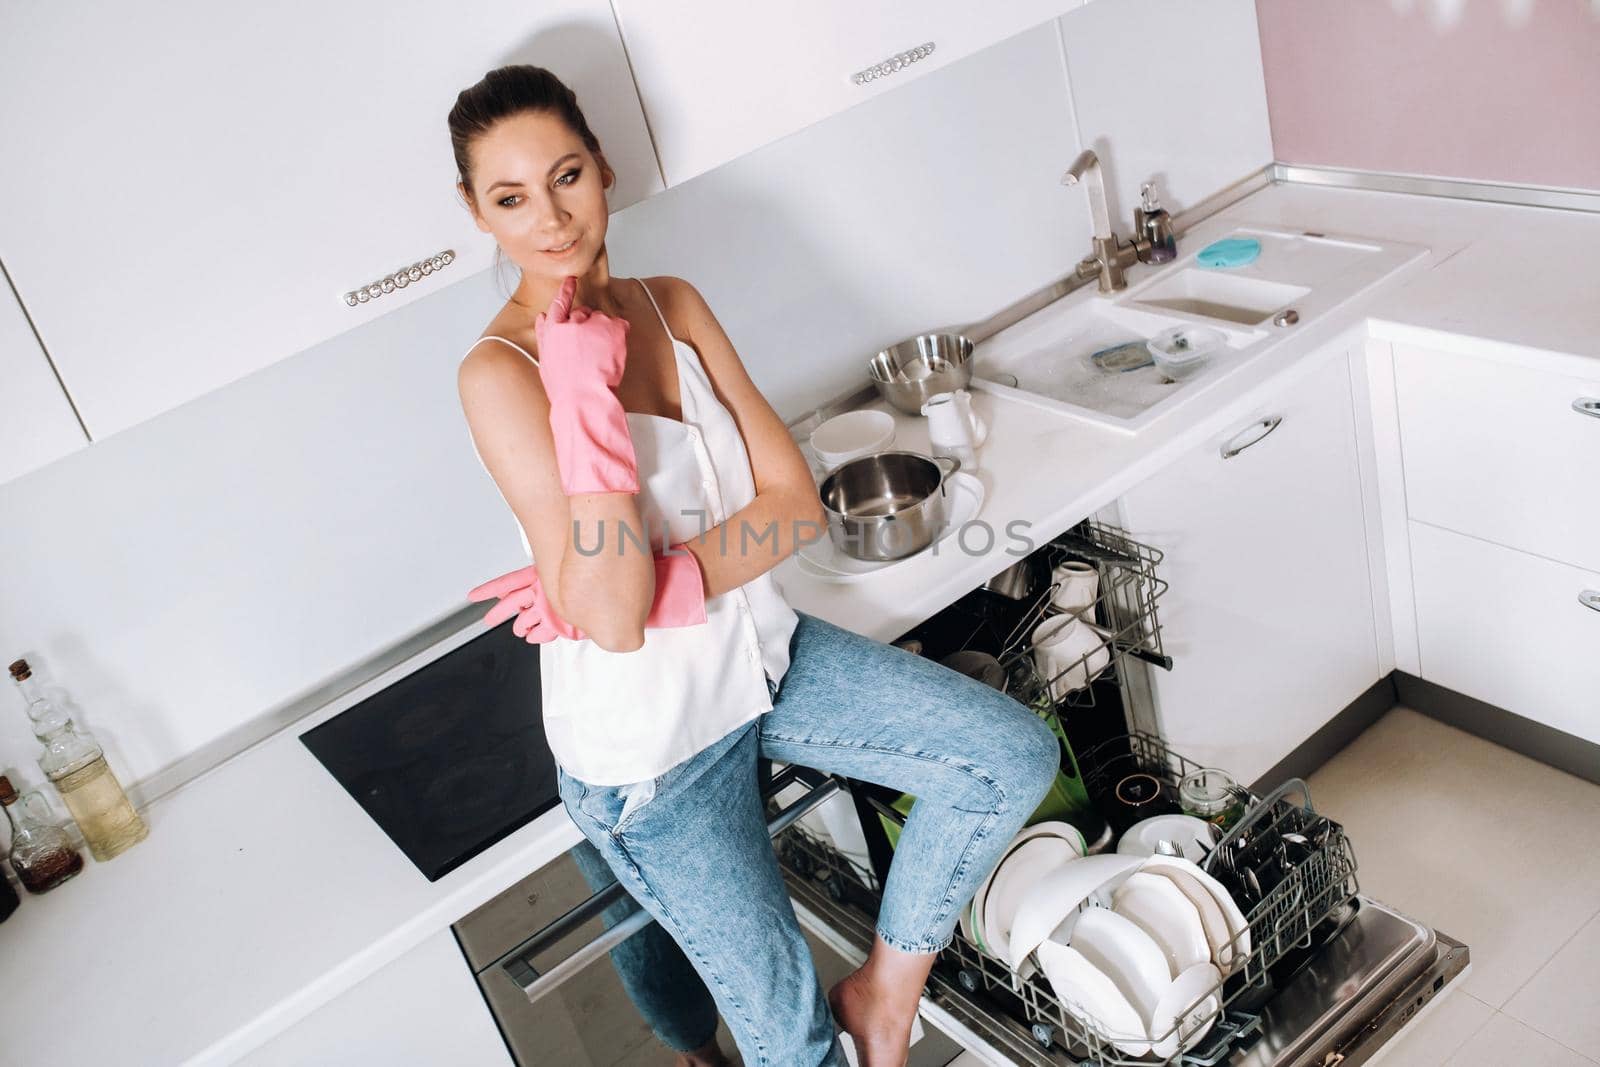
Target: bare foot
x: 881, y: 1031
x: 708, y: 1055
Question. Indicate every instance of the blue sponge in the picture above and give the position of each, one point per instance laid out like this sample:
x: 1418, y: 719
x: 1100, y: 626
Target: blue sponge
x: 1229, y: 252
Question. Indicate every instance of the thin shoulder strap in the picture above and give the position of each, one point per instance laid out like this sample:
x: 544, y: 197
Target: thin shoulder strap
x: 492, y: 337
x: 657, y: 306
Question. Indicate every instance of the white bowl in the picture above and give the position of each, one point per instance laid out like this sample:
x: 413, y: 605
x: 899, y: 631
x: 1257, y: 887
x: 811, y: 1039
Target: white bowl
x: 1126, y: 955
x: 1054, y: 901
x: 851, y: 436
x: 1094, y: 998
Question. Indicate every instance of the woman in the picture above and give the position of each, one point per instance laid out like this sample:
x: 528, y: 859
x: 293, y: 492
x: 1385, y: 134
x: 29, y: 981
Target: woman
x: 657, y: 489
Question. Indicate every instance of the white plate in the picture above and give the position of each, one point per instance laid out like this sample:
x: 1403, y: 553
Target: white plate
x: 1188, y: 988
x: 1013, y: 879
x: 1126, y: 955
x: 974, y: 913
x: 821, y: 560
x: 1094, y: 998
x: 1195, y: 837
x: 1158, y: 907
x: 1231, y: 954
x: 1053, y: 902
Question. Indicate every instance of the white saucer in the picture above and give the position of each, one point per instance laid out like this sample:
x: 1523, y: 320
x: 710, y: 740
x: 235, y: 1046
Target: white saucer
x: 821, y: 560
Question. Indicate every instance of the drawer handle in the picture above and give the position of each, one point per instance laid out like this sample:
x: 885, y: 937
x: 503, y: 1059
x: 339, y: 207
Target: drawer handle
x: 1253, y: 434
x: 518, y: 962
x: 1587, y: 405
x: 1590, y: 598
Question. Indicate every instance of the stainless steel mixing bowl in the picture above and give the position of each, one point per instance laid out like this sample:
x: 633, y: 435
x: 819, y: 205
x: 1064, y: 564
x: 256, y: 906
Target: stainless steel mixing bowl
x: 908, y: 373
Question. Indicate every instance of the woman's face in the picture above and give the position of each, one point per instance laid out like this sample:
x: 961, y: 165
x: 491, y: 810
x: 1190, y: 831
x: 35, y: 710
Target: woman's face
x: 536, y: 188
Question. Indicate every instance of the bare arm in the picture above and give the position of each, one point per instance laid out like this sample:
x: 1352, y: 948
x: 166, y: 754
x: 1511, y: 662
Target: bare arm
x: 786, y: 511
x: 606, y: 593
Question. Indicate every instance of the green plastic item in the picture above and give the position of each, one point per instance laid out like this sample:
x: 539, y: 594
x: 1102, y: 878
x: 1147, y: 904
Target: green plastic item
x: 1067, y: 801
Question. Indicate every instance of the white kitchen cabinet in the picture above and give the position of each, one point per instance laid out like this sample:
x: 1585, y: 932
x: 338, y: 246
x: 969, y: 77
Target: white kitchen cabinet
x: 422, y: 1009
x: 720, y: 78
x: 39, y: 426
x: 1509, y: 628
x: 198, y: 185
x: 1502, y: 452
x: 1269, y: 615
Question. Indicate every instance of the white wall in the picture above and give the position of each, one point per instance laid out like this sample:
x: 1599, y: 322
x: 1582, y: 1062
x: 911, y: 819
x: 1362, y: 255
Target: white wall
x: 190, y: 574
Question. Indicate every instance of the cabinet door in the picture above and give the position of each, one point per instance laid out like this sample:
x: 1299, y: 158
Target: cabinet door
x: 39, y: 426
x: 720, y: 78
x: 205, y: 182
x: 1269, y: 613
x: 1504, y: 453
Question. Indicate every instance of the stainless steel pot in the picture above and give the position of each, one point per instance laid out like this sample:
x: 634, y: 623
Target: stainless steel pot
x: 886, y: 505
x: 1015, y: 582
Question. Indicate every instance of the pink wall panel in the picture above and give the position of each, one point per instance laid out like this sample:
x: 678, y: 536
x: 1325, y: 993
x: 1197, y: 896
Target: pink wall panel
x: 1497, y: 90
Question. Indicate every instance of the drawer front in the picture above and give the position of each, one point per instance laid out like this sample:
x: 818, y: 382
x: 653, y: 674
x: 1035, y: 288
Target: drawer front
x: 1500, y: 452
x: 1508, y: 628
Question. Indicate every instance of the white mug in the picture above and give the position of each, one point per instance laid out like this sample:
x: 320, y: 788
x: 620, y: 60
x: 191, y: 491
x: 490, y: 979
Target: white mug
x: 1060, y: 642
x: 954, y: 429
x: 1075, y: 587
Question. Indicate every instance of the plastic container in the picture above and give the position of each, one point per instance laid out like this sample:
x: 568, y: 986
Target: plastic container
x: 1183, y: 350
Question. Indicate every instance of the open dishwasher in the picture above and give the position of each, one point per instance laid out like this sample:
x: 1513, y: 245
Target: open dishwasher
x: 1323, y: 975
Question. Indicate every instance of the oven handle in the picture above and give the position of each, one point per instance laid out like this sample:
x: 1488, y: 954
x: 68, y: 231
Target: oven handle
x: 518, y: 962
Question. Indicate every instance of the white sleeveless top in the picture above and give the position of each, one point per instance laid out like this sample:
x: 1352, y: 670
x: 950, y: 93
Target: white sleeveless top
x: 614, y: 718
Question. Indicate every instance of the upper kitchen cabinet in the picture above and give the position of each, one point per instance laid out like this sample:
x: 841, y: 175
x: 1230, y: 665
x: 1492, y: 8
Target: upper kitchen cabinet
x: 198, y: 186
x: 39, y: 426
x: 720, y: 78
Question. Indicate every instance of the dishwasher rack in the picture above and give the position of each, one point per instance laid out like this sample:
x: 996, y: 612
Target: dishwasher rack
x: 1027, y: 1019
x: 1124, y: 615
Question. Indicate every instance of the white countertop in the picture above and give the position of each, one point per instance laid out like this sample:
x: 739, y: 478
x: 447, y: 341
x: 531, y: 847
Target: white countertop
x: 263, y: 891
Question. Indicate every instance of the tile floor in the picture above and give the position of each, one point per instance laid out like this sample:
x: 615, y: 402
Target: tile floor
x: 1499, y: 851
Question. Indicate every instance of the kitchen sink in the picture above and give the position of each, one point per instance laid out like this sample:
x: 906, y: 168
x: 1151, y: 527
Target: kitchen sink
x: 1056, y: 360
x: 1214, y: 294
x: 1048, y: 357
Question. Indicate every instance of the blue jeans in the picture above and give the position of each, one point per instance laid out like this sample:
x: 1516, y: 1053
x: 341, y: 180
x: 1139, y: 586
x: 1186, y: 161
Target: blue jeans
x: 691, y: 845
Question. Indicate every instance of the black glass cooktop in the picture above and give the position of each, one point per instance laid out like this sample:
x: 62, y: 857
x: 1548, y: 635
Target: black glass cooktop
x: 452, y: 757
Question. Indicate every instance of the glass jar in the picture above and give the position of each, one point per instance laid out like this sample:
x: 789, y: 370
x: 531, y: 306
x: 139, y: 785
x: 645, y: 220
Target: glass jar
x: 41, y: 854
x: 1211, y: 795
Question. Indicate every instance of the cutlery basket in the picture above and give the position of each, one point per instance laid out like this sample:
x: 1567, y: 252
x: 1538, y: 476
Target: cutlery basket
x: 1313, y: 887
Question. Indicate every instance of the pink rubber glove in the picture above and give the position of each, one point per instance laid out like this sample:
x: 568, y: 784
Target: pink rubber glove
x: 581, y: 357
x: 680, y: 600
x: 522, y: 594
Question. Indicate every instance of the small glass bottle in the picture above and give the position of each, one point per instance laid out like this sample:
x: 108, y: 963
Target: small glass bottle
x: 76, y: 766
x: 41, y: 854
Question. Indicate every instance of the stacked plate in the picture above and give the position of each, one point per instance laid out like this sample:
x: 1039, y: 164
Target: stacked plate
x: 1136, y: 947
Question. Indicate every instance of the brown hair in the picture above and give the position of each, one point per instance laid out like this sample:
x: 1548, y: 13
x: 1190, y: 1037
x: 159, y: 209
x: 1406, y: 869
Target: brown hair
x: 507, y: 91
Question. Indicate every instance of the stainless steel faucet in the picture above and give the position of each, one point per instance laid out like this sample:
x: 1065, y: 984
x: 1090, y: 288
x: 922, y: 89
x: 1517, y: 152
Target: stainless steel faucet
x: 1110, y: 256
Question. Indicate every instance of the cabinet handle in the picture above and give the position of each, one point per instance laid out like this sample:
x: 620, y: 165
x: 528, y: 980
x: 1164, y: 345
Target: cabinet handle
x: 517, y: 963
x: 1590, y: 598
x: 1587, y: 405
x: 893, y: 64
x: 1252, y: 434
x: 399, y: 279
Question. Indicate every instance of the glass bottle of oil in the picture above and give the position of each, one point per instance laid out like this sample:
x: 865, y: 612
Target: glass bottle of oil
x: 76, y: 765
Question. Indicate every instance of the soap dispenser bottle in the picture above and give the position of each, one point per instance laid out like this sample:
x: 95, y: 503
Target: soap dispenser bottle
x: 1152, y: 228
